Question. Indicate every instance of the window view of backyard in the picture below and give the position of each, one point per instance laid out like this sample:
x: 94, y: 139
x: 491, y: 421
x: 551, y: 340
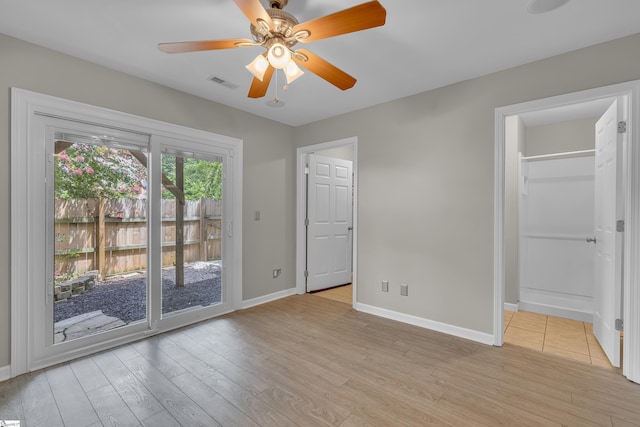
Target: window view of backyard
x: 101, y: 235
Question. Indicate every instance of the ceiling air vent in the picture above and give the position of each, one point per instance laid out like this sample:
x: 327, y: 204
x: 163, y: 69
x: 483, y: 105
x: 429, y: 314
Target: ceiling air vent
x: 223, y: 82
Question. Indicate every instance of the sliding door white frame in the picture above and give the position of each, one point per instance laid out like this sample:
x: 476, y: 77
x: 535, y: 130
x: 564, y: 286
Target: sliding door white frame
x: 27, y: 142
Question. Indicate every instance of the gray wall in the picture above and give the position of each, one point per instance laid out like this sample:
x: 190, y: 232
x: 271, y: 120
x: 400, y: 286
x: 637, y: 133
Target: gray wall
x: 573, y: 135
x: 426, y: 165
x: 345, y: 152
x: 269, y: 156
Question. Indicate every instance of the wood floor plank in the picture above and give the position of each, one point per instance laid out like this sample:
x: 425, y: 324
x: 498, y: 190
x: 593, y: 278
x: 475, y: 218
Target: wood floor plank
x: 198, y: 367
x: 134, y: 393
x: 215, y: 405
x: 617, y: 422
x: 38, y: 403
x: 397, y: 384
x: 625, y: 411
x: 111, y: 409
x: 490, y: 411
x: 368, y: 391
x: 303, y: 409
x: 183, y: 409
x: 161, y: 419
x: 305, y: 361
x: 73, y: 404
x: 260, y: 412
x: 159, y: 358
x: 389, y: 416
x: 524, y: 400
x: 378, y: 404
x: 88, y: 374
x: 234, y: 372
x: 10, y: 401
x: 125, y: 352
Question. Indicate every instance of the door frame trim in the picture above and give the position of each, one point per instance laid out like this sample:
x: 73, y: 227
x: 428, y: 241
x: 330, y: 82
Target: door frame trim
x: 631, y: 285
x: 301, y: 197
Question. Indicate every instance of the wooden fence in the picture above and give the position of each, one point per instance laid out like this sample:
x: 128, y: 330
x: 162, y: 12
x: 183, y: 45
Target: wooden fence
x: 111, y: 235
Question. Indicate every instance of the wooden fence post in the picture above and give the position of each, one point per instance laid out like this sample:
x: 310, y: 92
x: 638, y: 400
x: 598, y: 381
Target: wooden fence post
x: 101, y: 267
x: 180, y: 223
x: 203, y: 229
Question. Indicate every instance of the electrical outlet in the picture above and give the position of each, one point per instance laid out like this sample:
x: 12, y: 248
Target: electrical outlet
x: 404, y: 290
x: 385, y: 286
x: 277, y: 272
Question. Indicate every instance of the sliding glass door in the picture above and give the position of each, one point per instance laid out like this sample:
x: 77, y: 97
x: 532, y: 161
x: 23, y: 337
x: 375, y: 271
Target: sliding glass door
x: 192, y: 241
x: 127, y: 231
x: 98, y: 227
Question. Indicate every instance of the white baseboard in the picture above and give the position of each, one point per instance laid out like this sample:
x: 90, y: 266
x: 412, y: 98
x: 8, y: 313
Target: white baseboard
x: 5, y: 373
x: 511, y: 307
x: 268, y: 298
x: 445, y: 328
x: 566, y: 313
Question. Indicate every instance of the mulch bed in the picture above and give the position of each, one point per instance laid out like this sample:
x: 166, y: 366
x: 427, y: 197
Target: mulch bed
x: 125, y: 297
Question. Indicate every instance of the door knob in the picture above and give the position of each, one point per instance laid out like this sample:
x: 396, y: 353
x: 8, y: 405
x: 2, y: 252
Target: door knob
x: 591, y: 239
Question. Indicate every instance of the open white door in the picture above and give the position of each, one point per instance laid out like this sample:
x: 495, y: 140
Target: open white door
x: 607, y: 279
x: 329, y: 215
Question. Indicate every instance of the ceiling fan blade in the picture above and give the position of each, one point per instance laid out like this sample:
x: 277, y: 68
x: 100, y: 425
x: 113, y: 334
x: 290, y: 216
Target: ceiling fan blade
x: 259, y: 88
x: 182, y: 47
x: 254, y: 11
x: 325, y: 70
x: 357, y: 18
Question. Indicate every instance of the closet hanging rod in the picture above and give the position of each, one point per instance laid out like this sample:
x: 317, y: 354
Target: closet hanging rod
x: 555, y: 155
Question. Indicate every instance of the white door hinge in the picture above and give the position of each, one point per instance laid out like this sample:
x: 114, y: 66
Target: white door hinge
x: 622, y: 126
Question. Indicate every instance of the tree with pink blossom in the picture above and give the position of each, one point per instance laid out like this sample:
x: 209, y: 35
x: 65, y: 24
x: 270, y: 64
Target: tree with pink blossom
x: 85, y: 171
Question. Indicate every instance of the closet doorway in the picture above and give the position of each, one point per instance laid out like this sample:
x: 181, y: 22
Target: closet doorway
x: 613, y: 293
x: 555, y: 203
x: 557, y: 218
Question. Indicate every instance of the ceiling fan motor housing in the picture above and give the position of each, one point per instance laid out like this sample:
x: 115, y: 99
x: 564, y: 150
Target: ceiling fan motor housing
x: 278, y: 4
x: 283, y: 24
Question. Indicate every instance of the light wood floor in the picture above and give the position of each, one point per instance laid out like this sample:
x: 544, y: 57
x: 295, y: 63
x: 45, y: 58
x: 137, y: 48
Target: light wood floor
x: 549, y: 334
x: 305, y: 361
x: 341, y: 294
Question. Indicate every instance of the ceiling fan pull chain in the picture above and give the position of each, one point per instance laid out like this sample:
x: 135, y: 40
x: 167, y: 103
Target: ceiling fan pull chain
x: 276, y: 100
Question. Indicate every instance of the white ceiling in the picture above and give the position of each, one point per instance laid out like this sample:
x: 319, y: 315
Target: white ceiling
x: 425, y: 44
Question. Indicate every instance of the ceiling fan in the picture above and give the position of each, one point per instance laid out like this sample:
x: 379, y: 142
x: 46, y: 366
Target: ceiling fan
x: 278, y: 31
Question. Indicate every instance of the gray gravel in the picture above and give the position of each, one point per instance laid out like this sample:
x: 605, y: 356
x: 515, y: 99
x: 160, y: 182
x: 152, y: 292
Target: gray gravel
x: 125, y: 297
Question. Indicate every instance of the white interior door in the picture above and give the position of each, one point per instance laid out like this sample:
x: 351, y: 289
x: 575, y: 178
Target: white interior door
x: 329, y: 215
x: 607, y: 284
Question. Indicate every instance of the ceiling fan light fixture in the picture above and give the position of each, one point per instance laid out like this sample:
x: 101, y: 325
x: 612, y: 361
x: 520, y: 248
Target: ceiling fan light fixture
x: 258, y: 66
x: 292, y: 72
x: 278, y: 55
